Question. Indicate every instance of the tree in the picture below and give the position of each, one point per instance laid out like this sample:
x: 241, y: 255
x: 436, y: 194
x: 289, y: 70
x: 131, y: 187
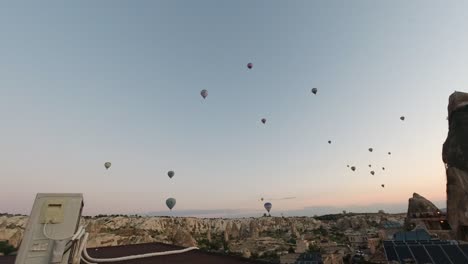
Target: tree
x: 323, y: 231
x: 225, y: 245
x: 314, y: 248
x: 6, y: 248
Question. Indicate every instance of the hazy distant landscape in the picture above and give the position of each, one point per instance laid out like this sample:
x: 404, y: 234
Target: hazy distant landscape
x: 309, y: 211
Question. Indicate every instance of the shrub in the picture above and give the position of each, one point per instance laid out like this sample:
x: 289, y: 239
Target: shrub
x: 6, y: 248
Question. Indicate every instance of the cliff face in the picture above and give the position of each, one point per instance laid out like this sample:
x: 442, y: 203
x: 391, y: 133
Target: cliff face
x: 455, y: 156
x: 12, y: 228
x: 455, y: 148
x: 111, y: 231
x: 418, y: 205
x: 457, y: 202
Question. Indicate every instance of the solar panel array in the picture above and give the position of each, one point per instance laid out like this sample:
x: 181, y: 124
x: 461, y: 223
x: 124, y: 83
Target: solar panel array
x: 424, y: 252
x: 416, y: 235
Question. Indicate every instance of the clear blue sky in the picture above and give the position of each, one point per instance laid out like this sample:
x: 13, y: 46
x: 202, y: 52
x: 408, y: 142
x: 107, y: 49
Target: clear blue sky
x: 86, y: 82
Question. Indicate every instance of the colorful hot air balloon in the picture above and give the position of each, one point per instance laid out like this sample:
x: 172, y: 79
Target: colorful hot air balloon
x: 372, y: 172
x: 353, y: 168
x: 170, y: 174
x: 371, y: 149
x: 204, y: 93
x: 170, y: 202
x: 314, y: 90
x: 267, y: 207
x: 250, y: 65
x: 263, y: 120
x: 402, y: 118
x: 107, y: 165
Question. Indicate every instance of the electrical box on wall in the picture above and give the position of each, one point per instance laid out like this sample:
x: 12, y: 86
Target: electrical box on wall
x: 52, y: 211
x: 53, y: 220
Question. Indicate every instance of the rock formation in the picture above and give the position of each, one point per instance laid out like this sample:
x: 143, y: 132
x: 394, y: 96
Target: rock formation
x: 254, y: 233
x: 455, y: 156
x: 357, y: 222
x: 121, y: 230
x: 244, y: 231
x: 12, y: 229
x: 419, y: 206
x: 227, y: 232
x: 208, y: 235
x: 294, y: 232
x: 246, y: 253
x: 183, y: 238
x: 455, y: 148
x: 234, y: 231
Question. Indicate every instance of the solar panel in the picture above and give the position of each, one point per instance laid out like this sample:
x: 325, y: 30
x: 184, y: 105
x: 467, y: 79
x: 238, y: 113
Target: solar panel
x: 454, y: 254
x: 403, y: 252
x: 437, y: 254
x: 411, y: 236
x: 464, y: 248
x: 391, y: 253
x: 438, y: 242
x: 420, y: 254
x: 388, y: 243
x: 400, y: 236
x: 422, y: 234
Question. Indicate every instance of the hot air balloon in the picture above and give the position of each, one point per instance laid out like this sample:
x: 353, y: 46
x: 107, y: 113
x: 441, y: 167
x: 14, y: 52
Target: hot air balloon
x: 204, y: 93
x: 389, y: 153
x: 314, y: 90
x: 402, y: 118
x: 370, y: 149
x: 347, y: 166
x: 250, y: 65
x: 170, y: 202
x: 383, y: 185
x: 170, y: 174
x: 263, y: 120
x: 329, y: 141
x: 383, y: 168
x: 107, y: 165
x: 267, y: 207
x: 372, y: 172
x: 261, y: 199
x: 353, y: 168
x: 370, y: 165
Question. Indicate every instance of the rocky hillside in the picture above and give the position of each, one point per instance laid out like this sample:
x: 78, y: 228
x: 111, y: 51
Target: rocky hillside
x: 212, y: 233
x: 185, y: 231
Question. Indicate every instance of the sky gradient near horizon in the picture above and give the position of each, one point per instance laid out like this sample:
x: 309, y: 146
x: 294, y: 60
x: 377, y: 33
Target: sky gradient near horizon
x: 82, y: 83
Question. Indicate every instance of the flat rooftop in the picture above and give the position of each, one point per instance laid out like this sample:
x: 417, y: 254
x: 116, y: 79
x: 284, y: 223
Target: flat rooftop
x: 191, y: 257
